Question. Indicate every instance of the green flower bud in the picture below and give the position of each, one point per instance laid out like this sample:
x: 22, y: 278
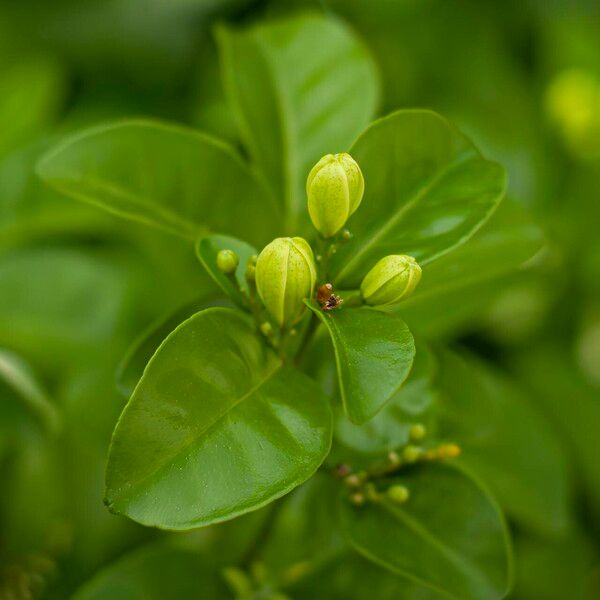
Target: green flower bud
x: 251, y: 269
x: 411, y: 453
x: 335, y: 187
x: 285, y: 276
x: 417, y: 432
x: 391, y: 280
x: 227, y: 261
x: 398, y: 494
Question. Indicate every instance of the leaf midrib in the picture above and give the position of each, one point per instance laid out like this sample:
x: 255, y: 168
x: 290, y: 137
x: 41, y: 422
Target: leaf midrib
x: 406, y: 207
x: 129, y: 490
x: 461, y: 563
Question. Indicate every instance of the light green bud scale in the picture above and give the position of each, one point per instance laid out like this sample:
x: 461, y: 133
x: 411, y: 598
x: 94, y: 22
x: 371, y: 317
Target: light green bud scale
x: 335, y: 187
x: 285, y: 276
x: 391, y: 280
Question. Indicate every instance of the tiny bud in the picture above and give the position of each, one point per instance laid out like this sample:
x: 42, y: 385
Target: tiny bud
x: 251, y: 269
x: 285, y: 276
x: 353, y: 480
x: 411, y: 453
x: 448, y: 451
x: 398, y: 494
x: 293, y: 332
x: 346, y: 235
x: 417, y: 432
x: 266, y: 329
x: 391, y: 280
x: 342, y: 470
x: 394, y: 458
x: 227, y: 261
x: 335, y: 187
x: 358, y: 499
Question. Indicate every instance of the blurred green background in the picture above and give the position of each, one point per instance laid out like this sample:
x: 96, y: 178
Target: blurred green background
x: 77, y: 286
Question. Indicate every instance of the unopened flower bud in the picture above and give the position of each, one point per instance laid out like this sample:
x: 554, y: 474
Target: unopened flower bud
x: 227, y: 261
x: 335, y: 187
x: 417, y: 432
x: 251, y: 269
x: 391, y: 280
x: 285, y: 276
x: 411, y: 453
x: 398, y: 494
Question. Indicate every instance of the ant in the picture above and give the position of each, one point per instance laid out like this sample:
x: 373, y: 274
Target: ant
x: 326, y: 298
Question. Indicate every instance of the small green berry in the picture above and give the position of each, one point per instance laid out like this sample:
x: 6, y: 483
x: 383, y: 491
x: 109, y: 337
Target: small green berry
x: 251, y: 269
x: 358, y: 498
x: 227, y: 261
x: 411, y: 453
x: 266, y: 329
x: 417, y: 432
x: 394, y: 458
x: 398, y: 494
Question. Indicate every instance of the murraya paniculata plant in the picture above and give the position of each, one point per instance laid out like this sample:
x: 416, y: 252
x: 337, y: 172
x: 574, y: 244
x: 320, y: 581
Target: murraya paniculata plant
x: 327, y: 236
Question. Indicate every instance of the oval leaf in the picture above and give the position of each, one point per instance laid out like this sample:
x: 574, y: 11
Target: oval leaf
x: 467, y: 279
x: 427, y: 190
x: 207, y: 249
x: 390, y: 428
x: 163, y: 175
x: 449, y: 535
x: 295, y: 97
x: 374, y: 352
x: 216, y: 427
x: 506, y: 440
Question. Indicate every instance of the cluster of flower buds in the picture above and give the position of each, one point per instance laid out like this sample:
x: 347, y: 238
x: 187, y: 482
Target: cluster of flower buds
x: 285, y: 272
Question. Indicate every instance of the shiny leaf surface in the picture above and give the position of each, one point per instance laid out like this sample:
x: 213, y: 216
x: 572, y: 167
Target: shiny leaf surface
x: 216, y: 427
x: 506, y: 440
x: 427, y: 190
x: 296, y: 97
x: 374, y: 352
x: 449, y: 535
x: 163, y: 175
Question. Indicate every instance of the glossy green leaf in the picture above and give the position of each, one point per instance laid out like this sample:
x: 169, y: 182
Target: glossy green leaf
x: 506, y: 440
x: 154, y: 573
x: 374, y: 352
x: 163, y: 175
x: 389, y: 429
x: 301, y: 87
x: 132, y: 366
x: 207, y: 249
x: 460, y: 278
x: 216, y: 427
x: 22, y: 394
x: 427, y: 190
x: 449, y: 535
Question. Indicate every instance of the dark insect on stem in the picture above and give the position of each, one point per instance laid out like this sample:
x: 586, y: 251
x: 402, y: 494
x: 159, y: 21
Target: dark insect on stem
x: 326, y: 298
